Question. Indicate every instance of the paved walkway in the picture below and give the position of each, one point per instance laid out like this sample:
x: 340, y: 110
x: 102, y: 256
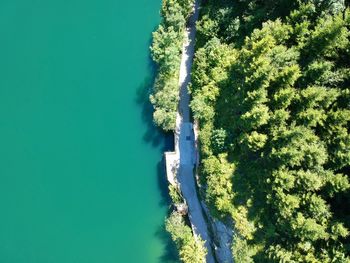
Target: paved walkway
x: 186, y: 180
x: 182, y: 162
x: 184, y: 140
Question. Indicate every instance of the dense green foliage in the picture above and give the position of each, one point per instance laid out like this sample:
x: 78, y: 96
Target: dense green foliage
x: 271, y: 91
x: 166, y: 50
x: 190, y: 250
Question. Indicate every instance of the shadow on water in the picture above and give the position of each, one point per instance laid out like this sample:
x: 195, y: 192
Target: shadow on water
x: 165, y: 141
x: 170, y: 252
x: 170, y: 255
x: 153, y: 134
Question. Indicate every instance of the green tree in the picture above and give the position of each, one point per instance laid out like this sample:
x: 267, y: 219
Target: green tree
x: 191, y: 249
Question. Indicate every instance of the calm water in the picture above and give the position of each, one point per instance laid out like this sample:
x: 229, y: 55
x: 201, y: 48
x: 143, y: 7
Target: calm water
x: 79, y: 171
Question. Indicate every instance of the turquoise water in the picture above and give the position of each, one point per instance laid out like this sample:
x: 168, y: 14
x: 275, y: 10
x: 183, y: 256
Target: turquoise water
x: 80, y: 171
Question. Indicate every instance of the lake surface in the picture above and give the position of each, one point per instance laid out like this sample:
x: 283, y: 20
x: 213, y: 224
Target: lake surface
x: 80, y: 172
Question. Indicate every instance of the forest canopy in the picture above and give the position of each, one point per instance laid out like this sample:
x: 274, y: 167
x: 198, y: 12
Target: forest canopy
x: 271, y: 93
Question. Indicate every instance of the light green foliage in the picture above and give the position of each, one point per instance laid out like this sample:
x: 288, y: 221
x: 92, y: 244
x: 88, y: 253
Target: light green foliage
x: 165, y: 99
x: 241, y: 250
x: 253, y: 141
x: 337, y: 183
x: 173, y: 15
x: 255, y: 117
x: 193, y: 252
x: 205, y: 90
x: 219, y: 193
x: 175, y: 195
x: 190, y: 249
x: 166, y: 51
x: 243, y: 226
x: 308, y: 228
x: 284, y: 97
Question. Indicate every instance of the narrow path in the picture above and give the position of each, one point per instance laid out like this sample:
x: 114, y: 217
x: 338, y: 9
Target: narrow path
x: 186, y: 64
x: 184, y: 140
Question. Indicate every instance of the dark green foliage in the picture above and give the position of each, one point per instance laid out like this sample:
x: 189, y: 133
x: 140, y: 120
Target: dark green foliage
x: 270, y: 89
